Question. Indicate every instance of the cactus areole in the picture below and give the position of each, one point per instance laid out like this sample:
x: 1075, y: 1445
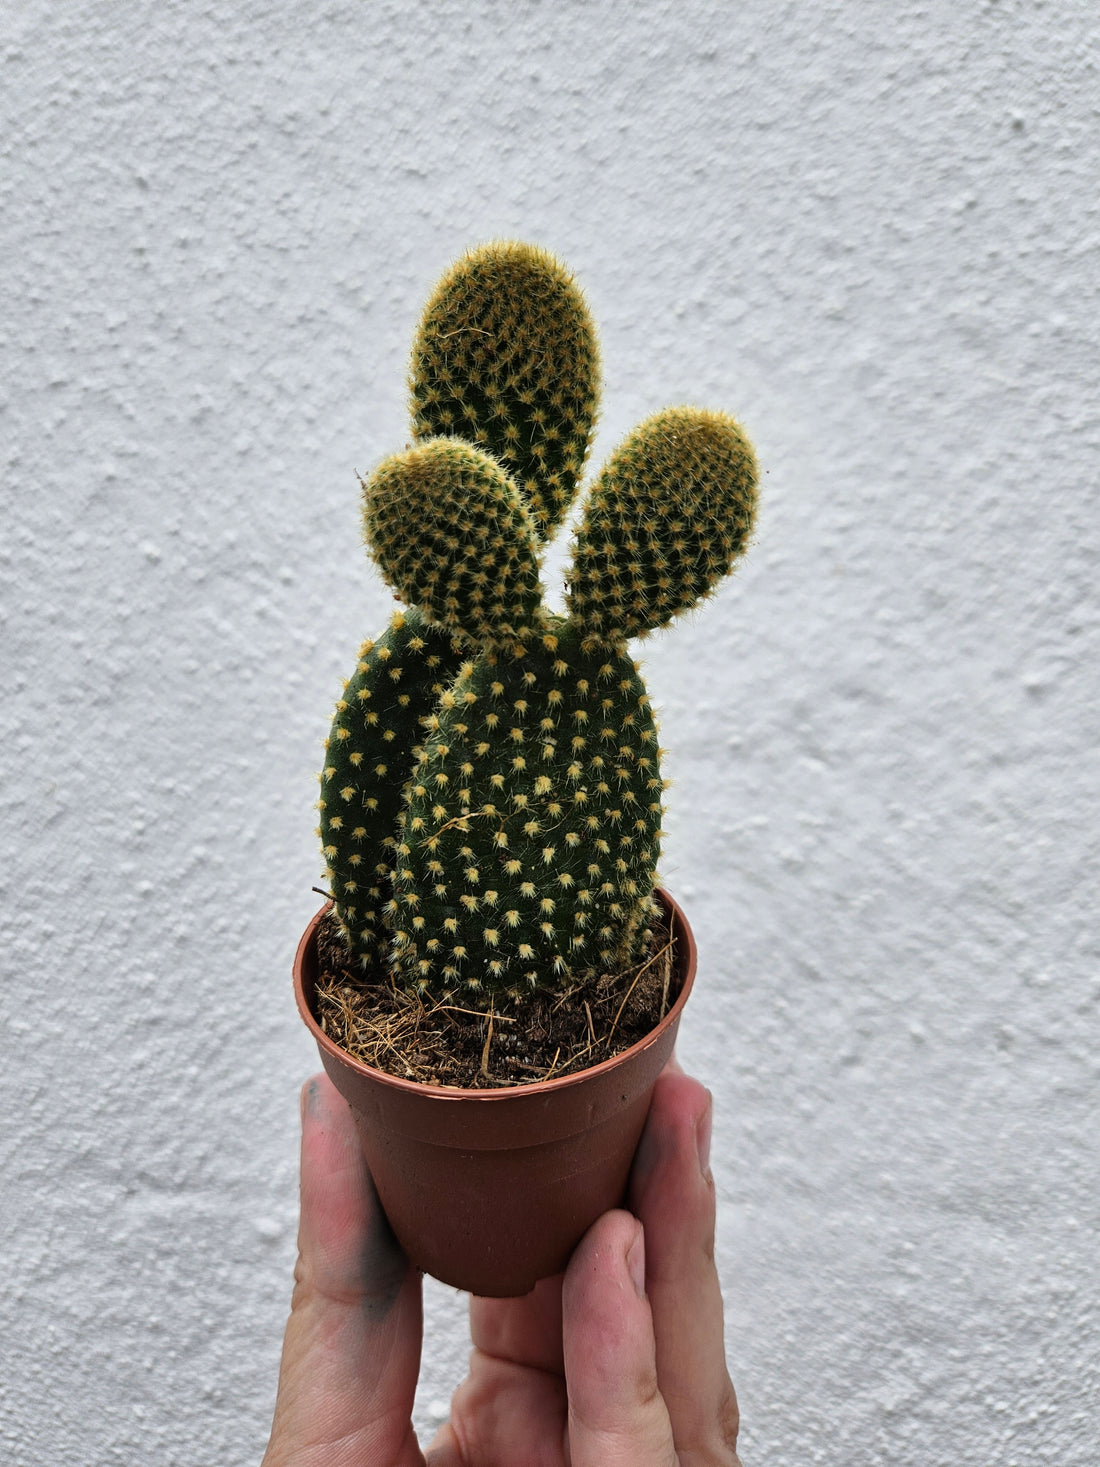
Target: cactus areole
x: 492, y: 792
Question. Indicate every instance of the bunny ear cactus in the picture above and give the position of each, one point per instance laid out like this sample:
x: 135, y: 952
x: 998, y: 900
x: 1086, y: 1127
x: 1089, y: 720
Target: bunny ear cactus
x: 521, y: 848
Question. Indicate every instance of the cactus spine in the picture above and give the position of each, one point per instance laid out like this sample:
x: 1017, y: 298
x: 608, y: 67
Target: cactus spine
x: 491, y: 801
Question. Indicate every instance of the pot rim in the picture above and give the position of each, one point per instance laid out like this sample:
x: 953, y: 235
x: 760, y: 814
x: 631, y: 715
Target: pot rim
x: 686, y: 959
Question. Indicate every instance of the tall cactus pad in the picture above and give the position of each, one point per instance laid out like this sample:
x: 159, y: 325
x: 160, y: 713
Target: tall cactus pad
x: 369, y: 753
x: 671, y: 511
x: 530, y: 845
x: 452, y: 535
x: 506, y: 358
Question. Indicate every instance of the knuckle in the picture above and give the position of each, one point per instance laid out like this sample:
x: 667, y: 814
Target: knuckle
x: 727, y: 1426
x: 716, y: 1445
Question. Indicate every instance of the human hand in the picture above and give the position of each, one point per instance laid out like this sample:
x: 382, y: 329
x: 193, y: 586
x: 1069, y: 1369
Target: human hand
x: 620, y: 1360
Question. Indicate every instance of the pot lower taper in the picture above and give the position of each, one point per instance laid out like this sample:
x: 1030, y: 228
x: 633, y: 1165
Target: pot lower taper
x: 491, y: 1190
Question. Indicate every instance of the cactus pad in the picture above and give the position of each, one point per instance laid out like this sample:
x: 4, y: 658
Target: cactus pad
x: 506, y: 358
x: 378, y: 724
x: 531, y: 840
x: 670, y: 512
x: 452, y: 535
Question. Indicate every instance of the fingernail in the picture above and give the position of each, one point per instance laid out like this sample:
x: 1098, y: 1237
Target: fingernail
x: 702, y: 1135
x: 635, y: 1262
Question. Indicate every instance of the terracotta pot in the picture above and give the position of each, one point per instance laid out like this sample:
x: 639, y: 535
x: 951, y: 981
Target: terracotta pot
x: 491, y: 1190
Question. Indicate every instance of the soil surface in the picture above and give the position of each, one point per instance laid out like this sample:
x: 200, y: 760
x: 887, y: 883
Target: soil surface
x: 537, y: 1036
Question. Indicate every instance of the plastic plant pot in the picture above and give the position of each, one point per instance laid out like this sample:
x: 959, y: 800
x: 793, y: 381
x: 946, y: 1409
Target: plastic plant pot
x: 491, y: 1190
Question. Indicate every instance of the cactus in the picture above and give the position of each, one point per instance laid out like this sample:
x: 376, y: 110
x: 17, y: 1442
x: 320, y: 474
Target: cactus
x: 515, y: 795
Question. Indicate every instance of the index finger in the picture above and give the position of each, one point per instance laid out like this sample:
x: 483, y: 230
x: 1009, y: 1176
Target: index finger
x: 526, y: 1331
x: 352, y: 1347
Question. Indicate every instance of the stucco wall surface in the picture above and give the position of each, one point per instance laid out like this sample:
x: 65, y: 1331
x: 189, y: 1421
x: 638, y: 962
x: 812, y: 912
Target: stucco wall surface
x: 870, y: 231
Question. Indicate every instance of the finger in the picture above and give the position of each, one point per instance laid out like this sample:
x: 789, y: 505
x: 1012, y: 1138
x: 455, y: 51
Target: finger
x: 444, y: 1450
x: 511, y: 1406
x: 526, y: 1331
x: 352, y: 1348
x: 672, y: 1193
x: 616, y: 1415
x: 503, y: 1414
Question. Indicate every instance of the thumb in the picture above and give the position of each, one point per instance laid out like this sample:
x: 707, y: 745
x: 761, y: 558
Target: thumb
x: 617, y: 1417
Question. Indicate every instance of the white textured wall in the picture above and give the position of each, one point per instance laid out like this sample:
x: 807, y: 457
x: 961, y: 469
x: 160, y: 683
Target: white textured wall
x: 868, y: 229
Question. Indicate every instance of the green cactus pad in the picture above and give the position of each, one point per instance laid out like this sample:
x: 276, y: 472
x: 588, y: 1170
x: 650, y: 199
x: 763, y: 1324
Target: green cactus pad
x: 532, y: 833
x: 369, y: 754
x: 506, y: 358
x: 670, y: 512
x: 451, y: 534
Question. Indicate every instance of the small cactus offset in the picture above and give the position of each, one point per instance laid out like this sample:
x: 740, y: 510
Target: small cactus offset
x: 492, y: 796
